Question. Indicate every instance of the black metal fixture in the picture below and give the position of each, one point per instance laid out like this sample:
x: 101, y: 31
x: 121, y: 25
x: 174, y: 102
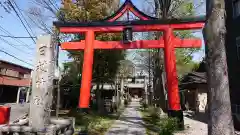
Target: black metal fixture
x: 127, y: 34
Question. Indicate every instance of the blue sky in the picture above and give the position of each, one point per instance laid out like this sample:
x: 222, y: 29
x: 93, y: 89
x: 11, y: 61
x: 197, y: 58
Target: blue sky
x: 11, y: 23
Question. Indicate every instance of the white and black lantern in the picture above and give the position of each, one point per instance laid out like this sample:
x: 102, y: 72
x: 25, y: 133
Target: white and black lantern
x: 127, y: 34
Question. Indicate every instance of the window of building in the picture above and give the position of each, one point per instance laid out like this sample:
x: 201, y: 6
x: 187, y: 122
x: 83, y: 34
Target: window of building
x: 21, y: 75
x: 3, y: 71
x: 12, y: 73
x: 27, y: 76
x: 236, y: 8
x: 238, y: 47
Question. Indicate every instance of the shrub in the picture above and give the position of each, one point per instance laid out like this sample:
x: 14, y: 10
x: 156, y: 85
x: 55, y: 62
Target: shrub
x: 154, y: 112
x: 98, y: 126
x: 144, y: 105
x: 168, y: 126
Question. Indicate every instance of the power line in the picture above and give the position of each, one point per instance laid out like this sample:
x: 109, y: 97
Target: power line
x: 15, y: 57
x: 14, y: 46
x: 23, y: 17
x: 44, y: 27
x: 10, y: 3
x: 19, y: 41
x: 52, y: 3
x: 15, y: 36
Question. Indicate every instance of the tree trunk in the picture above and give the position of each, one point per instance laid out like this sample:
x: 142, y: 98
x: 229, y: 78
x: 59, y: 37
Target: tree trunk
x: 160, y: 81
x: 101, y: 104
x: 220, y: 117
x: 98, y: 97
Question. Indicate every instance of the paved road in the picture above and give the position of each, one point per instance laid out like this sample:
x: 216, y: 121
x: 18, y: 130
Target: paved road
x: 130, y: 123
x: 18, y: 110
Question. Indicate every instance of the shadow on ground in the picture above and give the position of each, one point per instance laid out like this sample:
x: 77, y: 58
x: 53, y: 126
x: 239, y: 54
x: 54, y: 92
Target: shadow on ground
x: 200, y: 116
x: 150, y: 127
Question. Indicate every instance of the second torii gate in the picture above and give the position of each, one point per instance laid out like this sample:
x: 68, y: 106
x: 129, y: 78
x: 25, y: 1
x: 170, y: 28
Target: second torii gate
x: 147, y: 23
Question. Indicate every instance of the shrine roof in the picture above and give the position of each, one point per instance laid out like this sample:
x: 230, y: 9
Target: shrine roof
x: 126, y: 7
x: 129, y: 23
x: 196, y: 77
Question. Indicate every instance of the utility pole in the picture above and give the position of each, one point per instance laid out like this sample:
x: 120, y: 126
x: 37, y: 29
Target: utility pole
x: 42, y: 92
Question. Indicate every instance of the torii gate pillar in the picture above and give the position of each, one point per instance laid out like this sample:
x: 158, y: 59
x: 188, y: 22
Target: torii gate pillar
x: 174, y: 106
x: 87, y: 72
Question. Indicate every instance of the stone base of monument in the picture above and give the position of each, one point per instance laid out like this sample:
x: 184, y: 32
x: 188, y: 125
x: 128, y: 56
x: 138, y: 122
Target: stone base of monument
x: 57, y: 126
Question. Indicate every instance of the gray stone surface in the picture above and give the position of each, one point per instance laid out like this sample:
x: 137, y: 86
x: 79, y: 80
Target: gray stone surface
x: 17, y: 110
x: 130, y: 122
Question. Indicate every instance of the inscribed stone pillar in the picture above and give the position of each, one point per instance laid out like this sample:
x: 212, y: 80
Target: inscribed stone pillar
x: 42, y: 86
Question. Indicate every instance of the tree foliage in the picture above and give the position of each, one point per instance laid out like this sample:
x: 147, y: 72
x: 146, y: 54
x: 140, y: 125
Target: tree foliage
x: 154, y: 60
x: 41, y: 13
x: 106, y: 62
x: 177, y: 9
x: 126, y: 69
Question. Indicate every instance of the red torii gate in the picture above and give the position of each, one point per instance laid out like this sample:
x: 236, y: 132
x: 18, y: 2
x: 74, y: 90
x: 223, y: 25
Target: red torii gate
x: 146, y: 23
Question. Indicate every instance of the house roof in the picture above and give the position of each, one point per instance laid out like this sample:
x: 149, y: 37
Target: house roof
x: 196, y: 77
x: 192, y: 80
x: 14, y: 64
x: 202, y: 67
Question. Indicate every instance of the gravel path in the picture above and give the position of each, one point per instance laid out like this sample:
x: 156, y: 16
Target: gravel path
x: 130, y: 122
x: 193, y: 127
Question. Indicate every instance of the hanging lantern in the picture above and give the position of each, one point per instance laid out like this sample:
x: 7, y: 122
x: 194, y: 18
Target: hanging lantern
x: 127, y: 35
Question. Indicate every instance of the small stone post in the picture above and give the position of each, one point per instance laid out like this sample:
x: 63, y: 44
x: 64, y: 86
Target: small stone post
x: 18, y: 95
x: 146, y: 90
x: 122, y: 88
x: 27, y: 96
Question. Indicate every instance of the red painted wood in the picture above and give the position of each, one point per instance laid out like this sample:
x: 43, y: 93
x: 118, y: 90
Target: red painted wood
x: 171, y: 72
x: 114, y: 45
x: 128, y: 7
x: 119, y: 15
x: 137, y: 28
x: 140, y: 44
x: 137, y: 14
x: 87, y: 71
x: 11, y: 81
